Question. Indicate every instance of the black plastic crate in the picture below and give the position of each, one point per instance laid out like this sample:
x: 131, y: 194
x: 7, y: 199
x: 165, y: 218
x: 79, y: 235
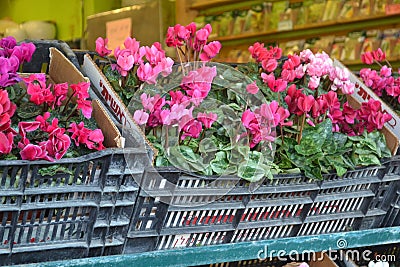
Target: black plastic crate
x: 186, y: 210
x: 83, y: 209
x: 41, y: 58
x: 388, y: 196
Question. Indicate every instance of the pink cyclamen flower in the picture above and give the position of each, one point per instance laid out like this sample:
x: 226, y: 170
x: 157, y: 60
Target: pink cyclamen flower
x: 191, y: 128
x: 125, y: 64
x: 140, y: 117
x: 39, y: 94
x: 207, y: 119
x: 36, y: 77
x: 252, y: 88
x: 269, y: 65
x: 25, y: 127
x: 6, y: 106
x: 201, y: 37
x: 101, y: 47
x: 314, y: 82
x: 34, y: 152
x: 81, y: 90
x: 146, y: 73
x: 210, y: 50
x: 5, y: 122
x: 95, y: 140
x: 6, y: 142
x: 367, y: 58
x: 379, y: 55
x: 86, y: 107
x: 305, y: 103
x: 132, y: 46
x: 60, y: 93
x: 58, y: 143
x: 79, y: 133
x: 45, y: 125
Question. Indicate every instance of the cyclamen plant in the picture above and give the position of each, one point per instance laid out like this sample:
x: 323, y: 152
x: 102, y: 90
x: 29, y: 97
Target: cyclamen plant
x: 385, y: 82
x: 315, y: 121
x: 135, y: 64
x: 40, y: 121
x: 196, y: 107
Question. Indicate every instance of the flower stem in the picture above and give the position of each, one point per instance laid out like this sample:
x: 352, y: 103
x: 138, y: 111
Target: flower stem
x: 72, y: 113
x: 67, y: 103
x: 20, y: 98
x: 180, y: 59
x: 301, y: 129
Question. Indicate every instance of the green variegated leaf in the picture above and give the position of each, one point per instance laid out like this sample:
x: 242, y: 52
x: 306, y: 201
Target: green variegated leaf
x: 250, y: 172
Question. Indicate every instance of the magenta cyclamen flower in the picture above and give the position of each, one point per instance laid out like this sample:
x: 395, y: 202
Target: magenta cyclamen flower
x: 6, y: 142
x: 86, y: 107
x: 60, y: 93
x: 95, y: 140
x: 190, y: 127
x: 58, y: 143
x: 34, y: 152
x: 81, y: 90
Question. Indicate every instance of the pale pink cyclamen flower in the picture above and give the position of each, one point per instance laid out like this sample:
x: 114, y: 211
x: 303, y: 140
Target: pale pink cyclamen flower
x: 175, y: 113
x: 341, y: 80
x: 140, y: 116
x: 252, y: 88
x: 145, y: 73
x: 125, y: 64
x: 314, y: 82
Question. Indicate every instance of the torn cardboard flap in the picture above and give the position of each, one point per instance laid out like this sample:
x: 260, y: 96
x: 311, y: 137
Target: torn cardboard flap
x: 112, y: 137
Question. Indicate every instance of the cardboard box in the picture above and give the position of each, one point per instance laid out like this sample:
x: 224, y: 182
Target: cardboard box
x: 117, y: 108
x: 362, y: 94
x: 319, y: 259
x: 322, y: 260
x: 62, y: 70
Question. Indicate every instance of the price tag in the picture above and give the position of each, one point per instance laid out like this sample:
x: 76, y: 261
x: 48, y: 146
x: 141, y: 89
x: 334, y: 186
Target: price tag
x: 117, y: 31
x: 392, y: 9
x: 285, y: 25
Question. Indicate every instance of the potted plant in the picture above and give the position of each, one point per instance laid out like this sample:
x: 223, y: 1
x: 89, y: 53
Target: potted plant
x: 267, y: 149
x: 292, y: 111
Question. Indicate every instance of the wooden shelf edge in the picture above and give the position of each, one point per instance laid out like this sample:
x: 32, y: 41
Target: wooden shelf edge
x: 325, y: 28
x: 204, y: 4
